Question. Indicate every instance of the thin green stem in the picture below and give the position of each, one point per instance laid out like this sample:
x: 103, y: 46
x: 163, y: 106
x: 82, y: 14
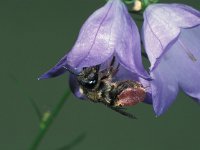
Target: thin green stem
x: 47, y: 120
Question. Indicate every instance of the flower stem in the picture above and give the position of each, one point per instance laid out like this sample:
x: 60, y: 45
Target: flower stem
x: 47, y: 120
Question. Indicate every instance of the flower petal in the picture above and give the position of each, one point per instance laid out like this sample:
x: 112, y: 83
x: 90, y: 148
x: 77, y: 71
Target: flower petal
x: 164, y: 86
x: 146, y: 84
x: 157, y: 24
x: 128, y: 48
x: 75, y: 88
x: 187, y: 51
x: 98, y: 36
x: 60, y: 68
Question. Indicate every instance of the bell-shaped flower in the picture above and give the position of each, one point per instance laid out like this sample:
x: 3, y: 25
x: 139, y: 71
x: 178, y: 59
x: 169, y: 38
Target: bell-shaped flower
x: 171, y: 36
x: 109, y: 32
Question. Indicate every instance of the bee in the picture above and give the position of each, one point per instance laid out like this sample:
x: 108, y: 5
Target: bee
x: 98, y: 86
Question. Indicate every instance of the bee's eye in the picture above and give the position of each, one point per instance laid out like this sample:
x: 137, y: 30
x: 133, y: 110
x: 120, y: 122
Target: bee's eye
x: 88, y: 78
x: 89, y: 84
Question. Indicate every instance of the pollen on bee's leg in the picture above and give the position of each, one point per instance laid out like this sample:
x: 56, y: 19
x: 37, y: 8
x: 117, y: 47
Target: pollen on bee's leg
x: 188, y: 52
x: 130, y: 97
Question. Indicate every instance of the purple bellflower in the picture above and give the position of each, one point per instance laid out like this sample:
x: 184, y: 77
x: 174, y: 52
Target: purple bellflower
x: 109, y: 32
x: 171, y: 36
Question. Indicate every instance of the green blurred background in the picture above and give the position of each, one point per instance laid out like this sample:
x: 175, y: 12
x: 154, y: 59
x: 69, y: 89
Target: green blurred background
x: 34, y: 35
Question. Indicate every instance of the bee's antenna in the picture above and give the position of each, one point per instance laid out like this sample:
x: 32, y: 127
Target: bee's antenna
x: 70, y: 70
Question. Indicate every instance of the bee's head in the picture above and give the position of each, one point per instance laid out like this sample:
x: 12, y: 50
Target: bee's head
x: 88, y: 77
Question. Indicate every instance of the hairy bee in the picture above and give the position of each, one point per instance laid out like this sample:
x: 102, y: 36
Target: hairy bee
x: 98, y: 86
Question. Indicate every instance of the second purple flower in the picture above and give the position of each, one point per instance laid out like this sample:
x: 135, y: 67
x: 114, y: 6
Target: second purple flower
x: 171, y: 36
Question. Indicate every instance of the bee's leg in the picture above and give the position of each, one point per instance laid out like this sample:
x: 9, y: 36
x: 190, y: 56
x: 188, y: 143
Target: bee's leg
x: 121, y: 85
x: 112, y: 62
x: 106, y: 98
x: 97, y: 67
x: 122, y: 112
x: 109, y: 72
x: 109, y: 103
x: 113, y: 71
x: 117, y: 88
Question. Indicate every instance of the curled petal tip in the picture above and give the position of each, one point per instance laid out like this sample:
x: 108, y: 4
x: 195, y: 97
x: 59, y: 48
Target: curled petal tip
x: 44, y: 76
x: 54, y: 72
x: 158, y: 113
